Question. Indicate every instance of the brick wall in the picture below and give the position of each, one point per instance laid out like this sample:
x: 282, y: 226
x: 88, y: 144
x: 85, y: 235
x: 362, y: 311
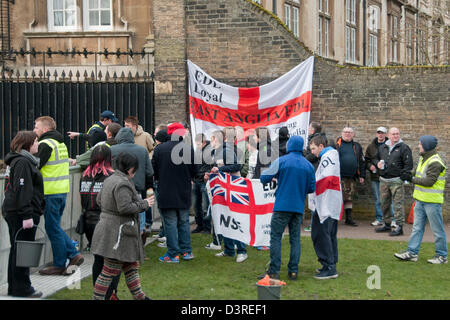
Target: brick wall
x: 241, y: 44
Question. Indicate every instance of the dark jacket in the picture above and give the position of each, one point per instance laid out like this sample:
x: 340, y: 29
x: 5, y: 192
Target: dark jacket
x: 432, y: 173
x: 225, y: 159
x: 265, y: 158
x: 89, y: 189
x: 89, y: 136
x: 143, y: 178
x: 174, y: 178
x: 201, y: 161
x: 309, y: 155
x: 281, y: 141
x: 358, y: 152
x: 295, y: 175
x: 397, y: 161
x: 44, y: 151
x: 371, y: 151
x: 24, y: 190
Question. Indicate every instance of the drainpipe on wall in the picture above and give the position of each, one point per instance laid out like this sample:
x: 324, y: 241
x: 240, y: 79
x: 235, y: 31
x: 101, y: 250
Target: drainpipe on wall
x: 274, y: 7
x: 364, y: 31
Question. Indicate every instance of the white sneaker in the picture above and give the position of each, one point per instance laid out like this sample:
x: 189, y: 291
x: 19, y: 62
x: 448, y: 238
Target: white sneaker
x: 393, y: 225
x: 377, y: 223
x: 406, y: 256
x: 162, y: 239
x: 212, y: 246
x: 241, y: 257
x: 162, y: 245
x: 438, y: 260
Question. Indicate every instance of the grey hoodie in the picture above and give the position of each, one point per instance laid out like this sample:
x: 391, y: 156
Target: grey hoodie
x: 143, y: 178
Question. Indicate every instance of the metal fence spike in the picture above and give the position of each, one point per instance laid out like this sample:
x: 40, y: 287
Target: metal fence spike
x: 107, y: 77
x: 100, y: 75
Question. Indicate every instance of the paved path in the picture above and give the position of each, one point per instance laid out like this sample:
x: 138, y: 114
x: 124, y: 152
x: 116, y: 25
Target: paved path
x: 49, y: 285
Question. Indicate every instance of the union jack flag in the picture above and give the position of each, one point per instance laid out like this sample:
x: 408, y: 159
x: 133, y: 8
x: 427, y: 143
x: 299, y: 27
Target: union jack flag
x: 235, y: 195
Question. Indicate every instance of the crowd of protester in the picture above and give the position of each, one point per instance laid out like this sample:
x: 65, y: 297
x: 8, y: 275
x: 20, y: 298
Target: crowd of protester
x: 125, y: 170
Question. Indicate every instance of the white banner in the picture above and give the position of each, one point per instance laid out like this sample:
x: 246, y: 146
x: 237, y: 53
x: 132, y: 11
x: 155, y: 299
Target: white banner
x: 241, y: 208
x: 286, y: 101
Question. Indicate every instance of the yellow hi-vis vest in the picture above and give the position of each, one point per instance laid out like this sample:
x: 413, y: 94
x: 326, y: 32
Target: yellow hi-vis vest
x: 95, y: 125
x: 56, y: 171
x: 435, y: 193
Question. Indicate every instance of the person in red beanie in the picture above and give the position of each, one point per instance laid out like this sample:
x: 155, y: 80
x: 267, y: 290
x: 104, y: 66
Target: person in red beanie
x: 174, y: 170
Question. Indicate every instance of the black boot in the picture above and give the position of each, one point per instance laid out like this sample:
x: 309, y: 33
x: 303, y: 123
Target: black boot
x: 384, y: 228
x: 398, y: 231
x: 348, y: 218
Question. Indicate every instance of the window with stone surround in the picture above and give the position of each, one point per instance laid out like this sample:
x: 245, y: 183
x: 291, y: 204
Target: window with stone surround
x: 409, y: 36
x: 291, y: 16
x: 373, y: 27
x: 62, y: 15
x: 394, y: 27
x: 324, y: 29
x: 350, y: 30
x: 67, y: 15
x: 97, y: 14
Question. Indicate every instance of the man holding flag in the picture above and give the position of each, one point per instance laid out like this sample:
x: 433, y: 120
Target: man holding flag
x: 295, y: 179
x: 327, y: 205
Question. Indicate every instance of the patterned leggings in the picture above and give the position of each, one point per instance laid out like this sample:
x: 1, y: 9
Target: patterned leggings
x: 111, y: 268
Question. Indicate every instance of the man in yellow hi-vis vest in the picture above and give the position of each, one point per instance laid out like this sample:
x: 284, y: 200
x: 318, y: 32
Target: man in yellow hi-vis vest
x: 54, y: 166
x: 106, y: 118
x: 429, y: 186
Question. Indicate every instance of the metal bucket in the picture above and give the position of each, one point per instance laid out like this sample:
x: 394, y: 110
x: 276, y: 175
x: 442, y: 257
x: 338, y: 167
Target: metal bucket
x: 269, y: 292
x: 28, y: 253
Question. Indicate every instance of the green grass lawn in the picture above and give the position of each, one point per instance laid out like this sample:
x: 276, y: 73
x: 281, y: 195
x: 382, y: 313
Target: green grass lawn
x: 211, y: 278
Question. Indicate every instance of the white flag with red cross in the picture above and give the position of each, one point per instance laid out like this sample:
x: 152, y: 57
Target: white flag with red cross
x: 286, y: 101
x: 241, y: 208
x: 327, y: 199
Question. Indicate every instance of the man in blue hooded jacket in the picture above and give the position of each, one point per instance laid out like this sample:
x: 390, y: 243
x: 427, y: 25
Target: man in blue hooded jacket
x: 295, y: 179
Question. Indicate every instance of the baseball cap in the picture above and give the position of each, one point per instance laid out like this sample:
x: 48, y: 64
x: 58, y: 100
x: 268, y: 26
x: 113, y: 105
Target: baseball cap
x: 109, y: 115
x: 382, y: 129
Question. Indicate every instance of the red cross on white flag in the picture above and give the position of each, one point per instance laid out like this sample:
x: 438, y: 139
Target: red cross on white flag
x: 286, y: 101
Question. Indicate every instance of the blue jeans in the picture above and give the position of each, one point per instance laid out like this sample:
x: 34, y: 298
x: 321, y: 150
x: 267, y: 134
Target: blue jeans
x: 62, y: 245
x: 278, y: 224
x: 376, y: 195
x: 177, y: 230
x: 229, y: 246
x: 432, y: 212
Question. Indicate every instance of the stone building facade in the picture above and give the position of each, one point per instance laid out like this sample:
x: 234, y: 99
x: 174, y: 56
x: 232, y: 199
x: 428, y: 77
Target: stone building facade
x: 369, y: 32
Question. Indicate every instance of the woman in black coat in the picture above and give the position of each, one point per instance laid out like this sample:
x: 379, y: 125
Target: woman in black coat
x: 23, y: 205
